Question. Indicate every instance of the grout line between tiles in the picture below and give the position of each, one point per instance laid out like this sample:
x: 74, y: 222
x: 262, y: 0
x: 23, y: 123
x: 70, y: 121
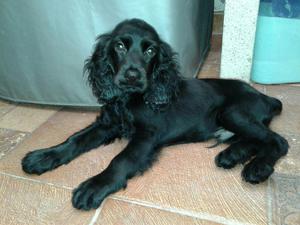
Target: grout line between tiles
x: 269, y: 203
x: 31, y: 132
x: 26, y: 131
x: 35, y: 181
x: 183, y: 212
x: 97, y: 213
x: 265, y: 89
x: 12, y: 108
x: 58, y: 110
x: 9, y: 129
x: 217, y: 33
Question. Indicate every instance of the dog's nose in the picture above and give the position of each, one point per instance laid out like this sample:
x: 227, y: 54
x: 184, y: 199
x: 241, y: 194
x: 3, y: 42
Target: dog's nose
x: 132, y: 75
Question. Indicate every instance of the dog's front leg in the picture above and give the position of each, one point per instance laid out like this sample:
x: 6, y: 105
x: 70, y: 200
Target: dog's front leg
x: 135, y: 158
x: 43, y: 160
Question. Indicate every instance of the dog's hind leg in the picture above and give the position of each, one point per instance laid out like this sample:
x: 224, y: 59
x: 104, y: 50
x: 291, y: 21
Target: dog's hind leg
x: 43, y: 160
x: 266, y: 145
x: 238, y: 152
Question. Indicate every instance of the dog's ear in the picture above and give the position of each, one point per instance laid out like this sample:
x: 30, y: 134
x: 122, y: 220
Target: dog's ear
x: 164, y: 82
x: 100, y: 71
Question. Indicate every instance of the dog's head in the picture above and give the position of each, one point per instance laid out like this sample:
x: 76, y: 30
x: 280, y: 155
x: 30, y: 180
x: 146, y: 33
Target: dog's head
x: 133, y: 59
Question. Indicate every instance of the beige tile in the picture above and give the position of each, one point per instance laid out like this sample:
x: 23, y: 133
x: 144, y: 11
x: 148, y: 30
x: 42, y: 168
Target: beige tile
x: 57, y: 129
x: 5, y: 107
x: 185, y: 177
x: 218, y: 23
x: 209, y: 71
x: 286, y: 93
x: 26, y: 118
x: 288, y: 122
x: 117, y: 212
x: 290, y: 164
x: 213, y: 58
x: 26, y: 202
x: 285, y: 192
x: 216, y: 43
x: 259, y: 87
x: 211, y: 66
x: 9, y: 139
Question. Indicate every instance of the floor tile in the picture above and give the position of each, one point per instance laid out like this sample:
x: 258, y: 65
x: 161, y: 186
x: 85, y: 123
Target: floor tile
x: 209, y: 71
x: 216, y: 43
x: 290, y: 164
x: 9, y: 139
x: 259, y: 87
x: 185, y: 177
x: 26, y: 118
x: 285, y: 190
x: 5, y: 107
x: 213, y: 58
x: 118, y: 212
x: 26, y: 202
x: 57, y: 129
x: 211, y: 66
x: 288, y: 122
x: 287, y: 93
x: 218, y: 23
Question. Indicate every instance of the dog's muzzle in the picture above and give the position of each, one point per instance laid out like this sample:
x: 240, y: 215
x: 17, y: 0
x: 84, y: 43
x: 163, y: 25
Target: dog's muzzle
x: 132, y: 76
x: 132, y: 79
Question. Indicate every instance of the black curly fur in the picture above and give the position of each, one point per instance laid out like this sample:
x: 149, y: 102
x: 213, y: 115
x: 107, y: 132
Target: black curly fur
x: 100, y: 72
x: 165, y: 80
x: 135, y: 75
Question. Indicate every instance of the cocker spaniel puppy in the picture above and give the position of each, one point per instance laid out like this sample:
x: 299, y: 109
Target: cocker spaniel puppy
x: 134, y: 74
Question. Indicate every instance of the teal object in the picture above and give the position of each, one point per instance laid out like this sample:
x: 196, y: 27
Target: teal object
x: 277, y: 51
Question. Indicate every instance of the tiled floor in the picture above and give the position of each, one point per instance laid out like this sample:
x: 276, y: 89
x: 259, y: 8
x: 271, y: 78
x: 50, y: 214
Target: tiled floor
x: 183, y: 187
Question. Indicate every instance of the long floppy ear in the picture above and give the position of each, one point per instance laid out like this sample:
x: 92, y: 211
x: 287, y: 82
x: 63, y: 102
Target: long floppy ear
x: 165, y: 79
x: 100, y: 71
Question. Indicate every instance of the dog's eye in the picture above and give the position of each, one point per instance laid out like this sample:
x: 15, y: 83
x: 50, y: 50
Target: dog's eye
x: 120, y: 46
x: 150, y: 51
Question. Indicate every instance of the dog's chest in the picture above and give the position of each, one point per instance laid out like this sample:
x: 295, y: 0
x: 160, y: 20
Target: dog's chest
x: 143, y: 115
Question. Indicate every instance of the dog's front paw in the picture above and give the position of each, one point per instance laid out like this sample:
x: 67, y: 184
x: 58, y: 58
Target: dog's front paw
x: 90, y: 194
x: 257, y: 171
x: 39, y: 161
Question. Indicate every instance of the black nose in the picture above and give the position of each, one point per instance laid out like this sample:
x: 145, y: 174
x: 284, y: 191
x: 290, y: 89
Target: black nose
x: 132, y: 75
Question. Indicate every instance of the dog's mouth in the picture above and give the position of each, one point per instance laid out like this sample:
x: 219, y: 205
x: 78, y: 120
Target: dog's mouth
x: 137, y: 86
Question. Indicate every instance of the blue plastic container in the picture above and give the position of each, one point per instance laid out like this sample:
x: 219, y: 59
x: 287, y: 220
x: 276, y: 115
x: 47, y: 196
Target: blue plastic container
x: 277, y: 48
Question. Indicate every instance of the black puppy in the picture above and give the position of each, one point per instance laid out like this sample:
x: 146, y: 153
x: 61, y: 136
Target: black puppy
x: 135, y: 75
